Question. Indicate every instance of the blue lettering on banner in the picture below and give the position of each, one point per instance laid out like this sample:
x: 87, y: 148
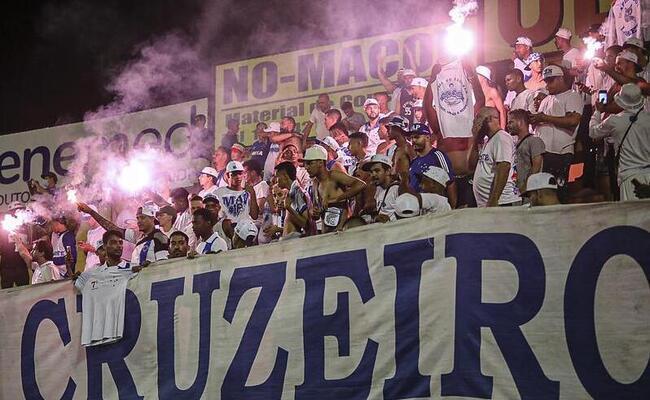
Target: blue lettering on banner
x: 270, y: 278
x: 113, y: 354
x: 41, y: 311
x: 466, y: 379
x: 314, y: 271
x: 165, y: 293
x: 579, y: 318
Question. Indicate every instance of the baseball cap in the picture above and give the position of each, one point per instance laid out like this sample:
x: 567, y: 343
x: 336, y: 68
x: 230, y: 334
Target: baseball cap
x: 377, y: 158
x: 629, y: 56
x: 331, y: 143
x: 399, y: 122
x: 234, y: 166
x: 50, y: 175
x: 179, y: 193
x: 523, y: 40
x: 437, y: 174
x: 629, y: 97
x: 238, y: 147
x: 370, y: 101
x: 420, y: 129
x: 16, y: 205
x: 421, y: 82
x: 169, y: 210
x: 552, y: 71
x: 98, y: 244
x: 484, y: 71
x: 408, y: 72
x: 407, y: 205
x: 148, y: 209
x: 315, y: 152
x: 418, y: 103
x: 273, y: 127
x: 541, y: 180
x: 210, y: 171
x: 246, y: 228
x: 564, y: 33
x: 532, y: 58
x: 210, y: 197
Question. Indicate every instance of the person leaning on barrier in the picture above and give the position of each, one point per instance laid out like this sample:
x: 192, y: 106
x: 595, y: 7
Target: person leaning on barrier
x: 209, y: 242
x: 541, y: 189
x: 178, y: 245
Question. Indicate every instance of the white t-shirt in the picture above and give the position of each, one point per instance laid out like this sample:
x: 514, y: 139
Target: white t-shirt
x: 153, y: 247
x: 559, y: 140
x: 572, y: 56
x: 373, y: 137
x: 211, y: 190
x: 623, y: 22
x: 183, y: 221
x: 597, y: 80
x: 385, y: 199
x: 92, y: 237
x: 235, y: 204
x: 499, y: 148
x: 317, y: 118
x: 521, y: 66
x: 523, y: 101
x: 103, y: 291
x: 434, y: 203
x: 45, y: 272
x: 214, y: 244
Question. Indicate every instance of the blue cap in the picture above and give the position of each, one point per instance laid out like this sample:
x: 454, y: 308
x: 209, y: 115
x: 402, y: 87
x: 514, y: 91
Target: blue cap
x: 420, y: 129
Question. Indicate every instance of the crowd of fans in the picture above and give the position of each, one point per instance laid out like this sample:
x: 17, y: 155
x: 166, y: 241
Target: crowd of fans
x: 575, y: 130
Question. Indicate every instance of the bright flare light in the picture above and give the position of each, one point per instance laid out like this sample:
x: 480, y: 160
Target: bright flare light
x: 11, y: 223
x: 72, y: 195
x: 593, y: 45
x: 458, y: 40
x: 134, y: 177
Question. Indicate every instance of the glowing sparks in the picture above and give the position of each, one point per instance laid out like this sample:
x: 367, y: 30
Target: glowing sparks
x: 462, y: 9
x: 135, y: 176
x: 593, y: 45
x: 458, y: 40
x: 11, y: 223
x: 72, y: 195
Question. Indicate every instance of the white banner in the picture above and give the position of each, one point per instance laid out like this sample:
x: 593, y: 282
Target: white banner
x: 27, y: 155
x: 542, y: 303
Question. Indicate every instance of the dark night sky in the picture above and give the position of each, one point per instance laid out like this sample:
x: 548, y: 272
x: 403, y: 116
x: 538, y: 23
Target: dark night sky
x: 59, y: 57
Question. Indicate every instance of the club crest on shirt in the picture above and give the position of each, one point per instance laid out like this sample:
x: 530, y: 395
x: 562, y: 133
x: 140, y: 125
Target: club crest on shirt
x: 630, y: 25
x: 453, y: 95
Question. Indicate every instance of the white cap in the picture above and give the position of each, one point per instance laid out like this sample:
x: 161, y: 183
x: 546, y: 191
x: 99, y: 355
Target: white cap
x: 210, y: 171
x: 370, y: 101
x: 377, y: 158
x: 629, y: 56
x: 273, y: 127
x: 239, y: 147
x: 484, y: 71
x: 331, y: 143
x: 437, y: 174
x: 541, y: 180
x: 421, y: 82
x: 418, y: 103
x: 407, y: 205
x: 564, y: 33
x: 551, y: 71
x: 315, y: 152
x: 148, y: 209
x: 524, y: 40
x: 634, y: 41
x: 246, y: 228
x: 234, y: 166
x: 408, y: 72
x: 629, y: 97
x: 98, y: 244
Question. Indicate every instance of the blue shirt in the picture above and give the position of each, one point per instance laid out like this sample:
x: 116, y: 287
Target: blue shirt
x: 435, y: 158
x: 259, y: 150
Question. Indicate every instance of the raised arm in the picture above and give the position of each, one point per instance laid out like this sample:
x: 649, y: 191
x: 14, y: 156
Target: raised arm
x: 381, y: 74
x: 103, y: 222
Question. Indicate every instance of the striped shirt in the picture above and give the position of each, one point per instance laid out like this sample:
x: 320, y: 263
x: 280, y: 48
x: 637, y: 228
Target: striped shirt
x: 419, y: 165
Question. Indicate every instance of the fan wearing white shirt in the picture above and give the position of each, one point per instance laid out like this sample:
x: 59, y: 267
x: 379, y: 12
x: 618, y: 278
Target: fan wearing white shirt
x: 209, y: 241
x: 237, y: 202
x: 208, y: 181
x: 43, y: 269
x: 493, y: 177
x: 387, y: 188
x: 523, y: 98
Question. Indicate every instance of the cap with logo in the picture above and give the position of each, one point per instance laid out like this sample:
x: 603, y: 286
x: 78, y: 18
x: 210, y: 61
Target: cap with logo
x: 246, y: 228
x: 210, y: 171
x: 541, y: 180
x: 399, y: 122
x: 532, y: 58
x: 484, y: 72
x: 630, y: 97
x: 437, y: 174
x: 377, y: 159
x: 552, y: 71
x: 564, y: 33
x: 273, y: 127
x: 523, y: 40
x: 331, y: 143
x: 370, y: 101
x: 210, y: 197
x: 407, y: 206
x: 98, y: 244
x: 315, y: 152
x: 420, y: 82
x: 418, y: 103
x: 629, y: 56
x: 420, y: 129
x: 148, y: 209
x: 239, y: 147
x: 234, y: 166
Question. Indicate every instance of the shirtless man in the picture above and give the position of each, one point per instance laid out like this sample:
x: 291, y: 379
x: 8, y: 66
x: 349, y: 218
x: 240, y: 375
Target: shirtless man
x: 457, y: 149
x: 288, y: 139
x: 491, y: 93
x: 331, y: 190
